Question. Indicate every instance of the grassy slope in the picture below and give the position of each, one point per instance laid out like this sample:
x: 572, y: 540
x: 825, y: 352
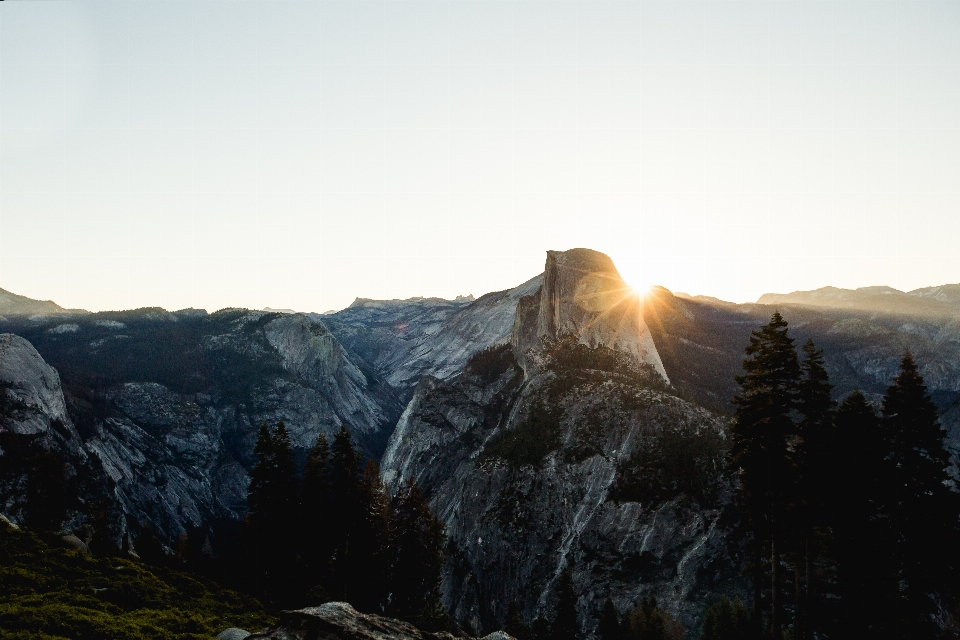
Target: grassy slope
x: 48, y: 590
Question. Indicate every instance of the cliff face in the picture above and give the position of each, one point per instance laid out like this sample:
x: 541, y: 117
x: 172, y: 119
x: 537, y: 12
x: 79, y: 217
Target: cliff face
x: 583, y: 295
x: 169, y: 405
x: 530, y: 454
x: 532, y: 474
x: 408, y: 339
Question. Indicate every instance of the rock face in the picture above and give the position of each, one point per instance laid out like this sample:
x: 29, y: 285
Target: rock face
x: 583, y: 295
x: 32, y: 388
x: 404, y: 340
x: 169, y: 404
x: 527, y: 459
x: 340, y: 621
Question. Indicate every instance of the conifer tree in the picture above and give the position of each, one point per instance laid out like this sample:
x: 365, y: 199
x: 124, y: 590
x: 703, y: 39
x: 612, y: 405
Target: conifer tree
x: 261, y: 476
x: 566, y: 626
x: 922, y: 508
x: 47, y: 493
x: 344, y: 508
x: 609, y: 623
x: 368, y: 553
x: 726, y: 620
x: 812, y: 498
x: 314, y: 519
x: 760, y: 435
x: 418, y: 555
x: 861, y: 529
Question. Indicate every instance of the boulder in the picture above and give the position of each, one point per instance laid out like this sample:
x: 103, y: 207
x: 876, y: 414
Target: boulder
x: 340, y: 621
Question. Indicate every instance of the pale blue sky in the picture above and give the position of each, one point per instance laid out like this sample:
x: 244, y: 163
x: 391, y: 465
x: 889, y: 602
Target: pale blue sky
x: 301, y: 154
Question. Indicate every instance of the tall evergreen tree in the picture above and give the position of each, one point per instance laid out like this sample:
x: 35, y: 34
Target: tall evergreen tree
x: 368, y: 554
x: 609, y: 623
x: 867, y: 581
x: 344, y: 509
x: 811, y: 498
x: 923, y: 510
x: 418, y: 554
x: 566, y: 626
x: 47, y: 493
x: 314, y: 521
x: 764, y: 425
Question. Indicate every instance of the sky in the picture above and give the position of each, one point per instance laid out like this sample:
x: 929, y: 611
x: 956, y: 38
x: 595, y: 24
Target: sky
x: 302, y: 154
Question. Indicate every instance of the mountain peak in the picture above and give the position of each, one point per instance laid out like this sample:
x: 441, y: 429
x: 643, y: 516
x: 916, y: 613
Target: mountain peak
x: 584, y: 295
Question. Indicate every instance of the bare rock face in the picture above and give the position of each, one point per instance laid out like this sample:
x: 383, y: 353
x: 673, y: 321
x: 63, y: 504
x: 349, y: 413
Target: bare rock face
x: 340, y: 621
x: 584, y: 295
x: 32, y: 387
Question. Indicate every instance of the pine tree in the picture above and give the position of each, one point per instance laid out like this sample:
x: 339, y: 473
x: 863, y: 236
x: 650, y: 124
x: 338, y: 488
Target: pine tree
x: 314, y: 521
x: 261, y: 477
x: 867, y: 579
x: 609, y: 623
x: 418, y: 556
x: 811, y: 499
x: 923, y: 510
x: 566, y: 626
x: 47, y: 493
x: 369, y: 547
x: 760, y: 435
x: 344, y: 508
x: 726, y: 620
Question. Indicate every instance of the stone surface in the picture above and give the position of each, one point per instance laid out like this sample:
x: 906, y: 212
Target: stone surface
x: 233, y: 634
x: 340, y: 621
x: 31, y: 386
x: 584, y: 295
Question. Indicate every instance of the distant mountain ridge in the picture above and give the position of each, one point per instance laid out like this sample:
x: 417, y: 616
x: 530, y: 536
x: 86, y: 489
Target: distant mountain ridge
x: 937, y: 301
x: 12, y: 304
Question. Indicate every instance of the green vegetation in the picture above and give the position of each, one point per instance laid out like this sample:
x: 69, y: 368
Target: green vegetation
x: 48, y: 590
x: 334, y: 533
x: 530, y: 441
x: 672, y: 461
x: 491, y: 363
x: 855, y: 525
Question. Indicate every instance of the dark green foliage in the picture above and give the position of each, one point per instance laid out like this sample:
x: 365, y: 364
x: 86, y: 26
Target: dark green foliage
x: 47, y: 493
x: 867, y: 579
x: 418, y: 555
x: 814, y: 450
x: 35, y: 478
x: 670, y: 462
x: 764, y: 422
x: 514, y: 623
x: 922, y: 509
x: 530, y: 441
x: 491, y: 363
x: 368, y: 552
x: 647, y: 622
x: 566, y: 626
x: 314, y: 523
x: 273, y: 497
x: 608, y: 627
x: 726, y: 619
x: 762, y: 431
x: 50, y: 591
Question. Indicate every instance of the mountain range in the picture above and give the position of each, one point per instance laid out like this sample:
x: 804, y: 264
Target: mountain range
x: 524, y: 415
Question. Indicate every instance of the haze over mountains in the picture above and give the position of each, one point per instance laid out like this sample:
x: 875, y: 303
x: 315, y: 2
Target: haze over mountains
x: 525, y: 450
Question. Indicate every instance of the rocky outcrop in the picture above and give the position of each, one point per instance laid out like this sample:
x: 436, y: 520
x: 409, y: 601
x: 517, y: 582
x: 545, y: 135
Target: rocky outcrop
x: 404, y: 340
x: 583, y: 295
x: 31, y: 388
x: 528, y: 470
x: 340, y: 621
